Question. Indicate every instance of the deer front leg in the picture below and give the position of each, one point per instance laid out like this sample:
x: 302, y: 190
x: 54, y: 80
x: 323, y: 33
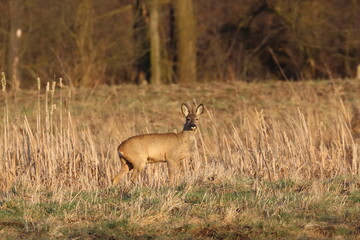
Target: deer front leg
x: 172, y: 168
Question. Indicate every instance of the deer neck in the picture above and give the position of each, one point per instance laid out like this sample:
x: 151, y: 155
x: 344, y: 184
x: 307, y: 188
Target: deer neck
x: 188, y: 136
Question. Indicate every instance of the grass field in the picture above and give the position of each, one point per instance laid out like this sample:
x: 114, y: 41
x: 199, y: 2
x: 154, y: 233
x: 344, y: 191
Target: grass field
x: 271, y: 160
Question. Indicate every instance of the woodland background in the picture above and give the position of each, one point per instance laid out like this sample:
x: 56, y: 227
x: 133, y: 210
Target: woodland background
x: 87, y: 42
x: 271, y: 160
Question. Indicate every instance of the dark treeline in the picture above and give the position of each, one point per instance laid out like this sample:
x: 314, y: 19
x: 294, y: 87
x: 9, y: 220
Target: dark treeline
x: 87, y: 42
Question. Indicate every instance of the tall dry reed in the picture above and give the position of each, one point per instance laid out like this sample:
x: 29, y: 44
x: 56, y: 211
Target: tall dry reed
x: 60, y: 148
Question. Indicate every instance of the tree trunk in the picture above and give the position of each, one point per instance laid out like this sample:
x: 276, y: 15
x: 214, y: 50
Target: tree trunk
x: 185, y: 34
x: 85, y: 24
x: 141, y: 42
x: 154, y: 43
x: 14, y: 44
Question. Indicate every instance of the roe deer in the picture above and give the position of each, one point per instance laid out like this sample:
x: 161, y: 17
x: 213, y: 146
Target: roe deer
x: 137, y: 151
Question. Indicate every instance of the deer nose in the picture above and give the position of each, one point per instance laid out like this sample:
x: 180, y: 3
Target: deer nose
x: 193, y: 126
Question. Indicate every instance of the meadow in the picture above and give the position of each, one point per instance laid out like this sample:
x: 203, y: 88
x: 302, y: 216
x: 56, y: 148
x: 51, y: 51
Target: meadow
x: 272, y: 160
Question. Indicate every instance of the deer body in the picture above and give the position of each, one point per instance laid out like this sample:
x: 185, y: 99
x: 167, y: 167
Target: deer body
x: 171, y: 148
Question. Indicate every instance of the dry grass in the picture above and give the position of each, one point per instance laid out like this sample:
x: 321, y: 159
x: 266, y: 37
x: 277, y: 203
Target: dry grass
x: 58, y: 149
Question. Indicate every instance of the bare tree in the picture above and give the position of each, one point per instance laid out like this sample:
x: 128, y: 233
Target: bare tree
x: 85, y: 25
x: 154, y: 43
x: 14, y: 44
x: 141, y: 41
x: 185, y: 34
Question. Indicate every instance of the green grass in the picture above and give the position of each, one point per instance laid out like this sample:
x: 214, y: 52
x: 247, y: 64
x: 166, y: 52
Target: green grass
x: 234, y: 209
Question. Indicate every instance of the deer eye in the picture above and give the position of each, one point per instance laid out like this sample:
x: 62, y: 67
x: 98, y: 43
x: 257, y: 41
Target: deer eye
x: 196, y: 119
x: 188, y: 119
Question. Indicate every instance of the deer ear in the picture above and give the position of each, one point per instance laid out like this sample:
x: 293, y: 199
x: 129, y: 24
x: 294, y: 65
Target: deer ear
x: 199, y: 110
x: 185, y: 109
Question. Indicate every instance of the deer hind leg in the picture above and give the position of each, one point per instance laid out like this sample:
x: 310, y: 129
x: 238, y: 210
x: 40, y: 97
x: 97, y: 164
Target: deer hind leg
x: 125, y: 168
x: 137, y: 169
